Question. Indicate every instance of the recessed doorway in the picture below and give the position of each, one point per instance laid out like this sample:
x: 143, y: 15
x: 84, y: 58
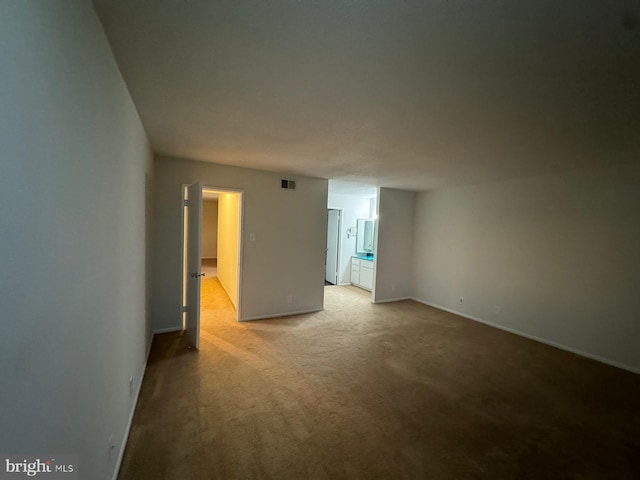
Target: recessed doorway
x: 212, y: 228
x: 221, y: 219
x: 332, y: 254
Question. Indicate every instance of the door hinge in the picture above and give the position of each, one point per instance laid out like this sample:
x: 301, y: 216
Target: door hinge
x: 183, y: 309
x: 185, y: 202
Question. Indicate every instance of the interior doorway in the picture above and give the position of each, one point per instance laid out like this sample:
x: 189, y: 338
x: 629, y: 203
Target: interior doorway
x: 209, y: 253
x: 221, y: 238
x: 333, y: 246
x: 212, y: 231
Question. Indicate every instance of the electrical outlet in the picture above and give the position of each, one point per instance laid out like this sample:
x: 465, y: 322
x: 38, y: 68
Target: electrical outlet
x: 289, y: 299
x: 497, y: 310
x: 393, y: 287
x: 130, y: 386
x: 461, y: 301
x: 252, y: 237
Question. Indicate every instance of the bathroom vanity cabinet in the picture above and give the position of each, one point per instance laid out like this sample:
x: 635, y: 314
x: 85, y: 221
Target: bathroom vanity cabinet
x: 362, y: 272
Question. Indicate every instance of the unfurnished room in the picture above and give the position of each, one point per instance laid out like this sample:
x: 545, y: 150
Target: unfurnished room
x: 341, y: 239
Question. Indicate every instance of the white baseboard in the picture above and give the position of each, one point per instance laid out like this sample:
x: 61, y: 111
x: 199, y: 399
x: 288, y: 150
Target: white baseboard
x: 227, y: 292
x: 389, y: 300
x: 127, y: 430
x: 582, y: 353
x: 167, y: 330
x: 276, y: 315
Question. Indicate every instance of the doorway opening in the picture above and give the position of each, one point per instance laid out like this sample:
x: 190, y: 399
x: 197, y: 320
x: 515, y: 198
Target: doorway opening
x: 212, y: 246
x: 332, y: 253
x: 351, y: 231
x: 220, y: 256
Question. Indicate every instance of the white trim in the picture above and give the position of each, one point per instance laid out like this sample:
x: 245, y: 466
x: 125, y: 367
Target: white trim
x: 339, y: 246
x: 183, y: 285
x: 376, y: 230
x: 167, y: 330
x: 389, y: 300
x: 285, y: 314
x: 534, y: 338
x: 127, y: 429
x: 229, y: 296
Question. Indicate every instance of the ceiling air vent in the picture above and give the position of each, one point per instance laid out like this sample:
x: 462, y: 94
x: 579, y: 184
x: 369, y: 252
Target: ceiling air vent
x: 288, y: 184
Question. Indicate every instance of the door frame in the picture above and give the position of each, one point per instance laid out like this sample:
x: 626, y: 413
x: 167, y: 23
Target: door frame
x: 183, y: 251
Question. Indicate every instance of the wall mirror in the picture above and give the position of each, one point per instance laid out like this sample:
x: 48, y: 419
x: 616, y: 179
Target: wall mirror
x: 365, y: 236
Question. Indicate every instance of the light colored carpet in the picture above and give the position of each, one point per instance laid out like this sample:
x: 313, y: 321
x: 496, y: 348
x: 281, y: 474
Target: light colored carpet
x: 366, y: 391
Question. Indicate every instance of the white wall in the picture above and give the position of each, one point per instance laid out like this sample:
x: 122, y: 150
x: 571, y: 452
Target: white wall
x: 559, y: 253
x: 286, y: 258
x: 353, y: 207
x: 73, y: 159
x: 373, y: 207
x: 394, y: 235
x: 209, y: 248
x: 228, y: 246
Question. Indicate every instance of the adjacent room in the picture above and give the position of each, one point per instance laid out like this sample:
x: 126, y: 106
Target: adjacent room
x: 339, y: 239
x: 351, y: 233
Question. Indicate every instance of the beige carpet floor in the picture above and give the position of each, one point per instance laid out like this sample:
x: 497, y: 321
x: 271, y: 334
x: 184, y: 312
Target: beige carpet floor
x: 364, y: 391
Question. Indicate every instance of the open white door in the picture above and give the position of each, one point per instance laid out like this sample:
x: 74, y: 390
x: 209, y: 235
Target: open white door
x: 331, y: 262
x: 194, y: 226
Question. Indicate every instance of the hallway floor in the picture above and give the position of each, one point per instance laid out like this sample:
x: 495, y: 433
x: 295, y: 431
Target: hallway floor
x: 209, y: 266
x: 397, y: 390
